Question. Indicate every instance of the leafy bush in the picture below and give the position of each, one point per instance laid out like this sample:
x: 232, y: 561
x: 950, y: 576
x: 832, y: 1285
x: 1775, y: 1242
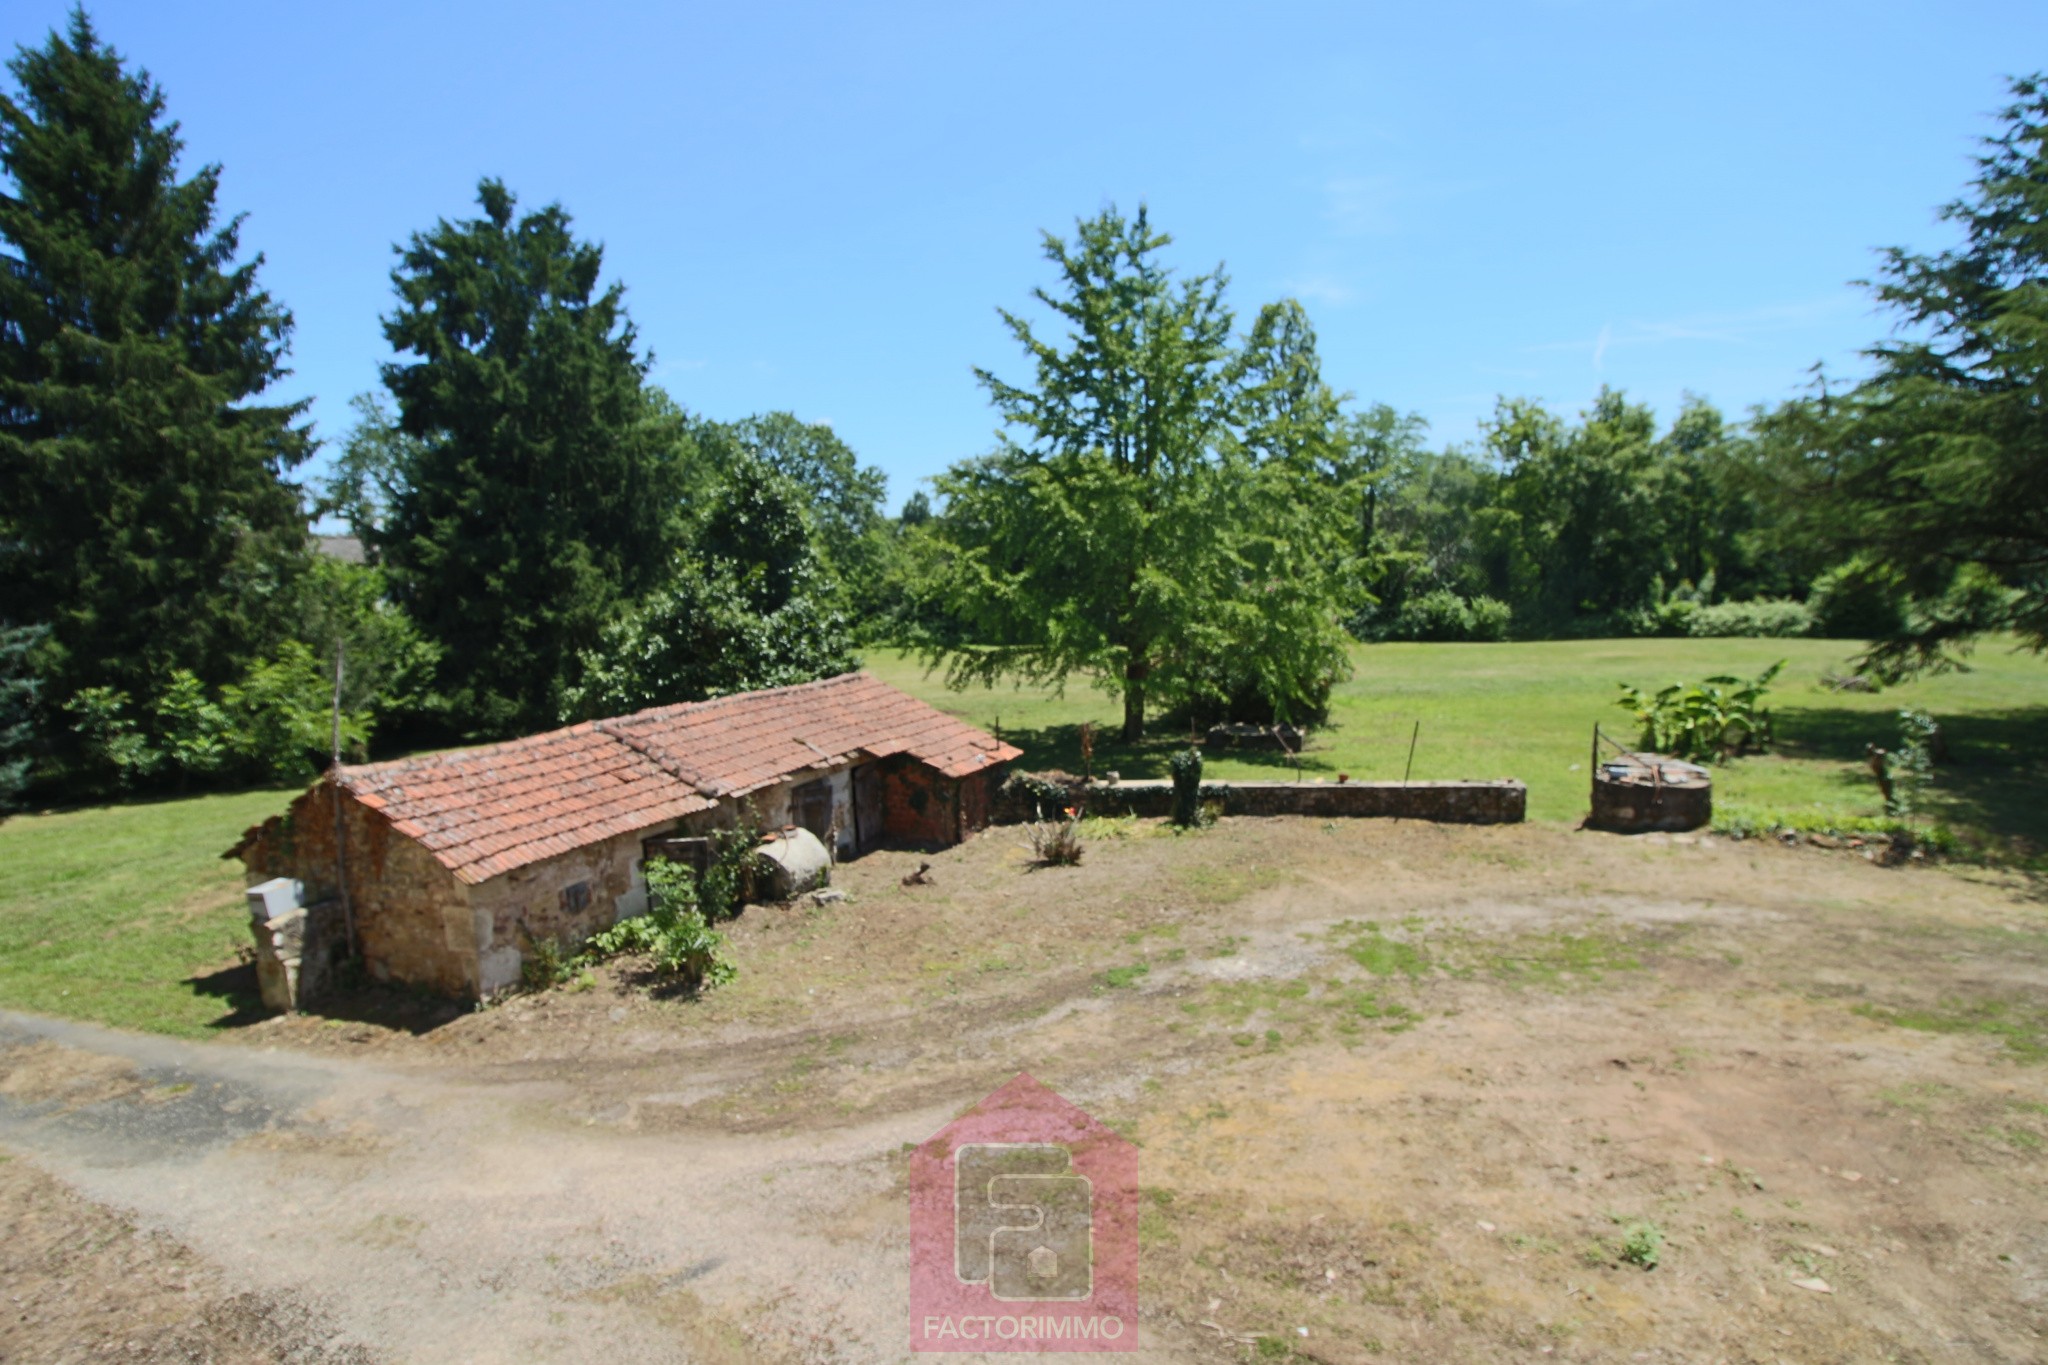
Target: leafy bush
x: 673, y: 933
x: 1442, y: 615
x: 197, y: 735
x: 1490, y: 619
x: 1716, y: 719
x: 282, y: 715
x: 1187, y: 787
x: 1667, y: 619
x: 1857, y: 601
x: 274, y: 725
x: 754, y: 606
x: 113, y: 751
x: 1903, y: 772
x: 1765, y: 617
x: 545, y: 964
x: 728, y: 881
x: 1055, y: 789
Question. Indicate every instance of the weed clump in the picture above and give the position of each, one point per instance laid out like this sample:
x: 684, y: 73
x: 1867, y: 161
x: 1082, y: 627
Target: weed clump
x: 1642, y: 1244
x: 1058, y: 843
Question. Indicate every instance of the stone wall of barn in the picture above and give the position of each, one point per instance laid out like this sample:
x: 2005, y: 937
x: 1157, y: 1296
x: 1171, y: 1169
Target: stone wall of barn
x: 419, y: 924
x: 411, y: 914
x: 564, y: 899
x: 773, y: 807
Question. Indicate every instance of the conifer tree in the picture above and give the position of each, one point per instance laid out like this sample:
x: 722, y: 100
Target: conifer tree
x: 145, y: 521
x: 537, y: 493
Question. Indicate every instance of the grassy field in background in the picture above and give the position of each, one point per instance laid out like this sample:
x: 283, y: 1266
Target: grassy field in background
x: 126, y: 914
x: 1528, y: 710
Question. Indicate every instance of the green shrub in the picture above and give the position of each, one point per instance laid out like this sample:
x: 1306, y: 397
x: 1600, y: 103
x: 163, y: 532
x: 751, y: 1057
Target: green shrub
x: 1187, y: 787
x: 544, y: 965
x: 1906, y: 770
x: 728, y: 882
x: 197, y: 735
x: 1666, y: 619
x: 1490, y: 619
x: 282, y: 714
x: 1442, y: 615
x: 113, y: 752
x: 1041, y: 790
x: 1718, y: 718
x: 1766, y: 617
x: 1857, y: 601
x: 673, y: 933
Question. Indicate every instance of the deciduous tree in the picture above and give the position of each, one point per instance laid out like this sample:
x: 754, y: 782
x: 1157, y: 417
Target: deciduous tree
x: 1142, y: 519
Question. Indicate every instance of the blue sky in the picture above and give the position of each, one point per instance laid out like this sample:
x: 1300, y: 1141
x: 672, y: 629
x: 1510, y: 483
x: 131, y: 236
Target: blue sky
x: 820, y: 207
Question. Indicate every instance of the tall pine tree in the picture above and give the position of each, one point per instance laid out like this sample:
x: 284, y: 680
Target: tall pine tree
x: 1935, y: 470
x: 144, y: 515
x: 540, y: 490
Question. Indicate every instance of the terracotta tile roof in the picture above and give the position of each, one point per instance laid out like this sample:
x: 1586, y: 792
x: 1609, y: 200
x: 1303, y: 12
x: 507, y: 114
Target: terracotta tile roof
x: 738, y: 744
x: 483, y: 812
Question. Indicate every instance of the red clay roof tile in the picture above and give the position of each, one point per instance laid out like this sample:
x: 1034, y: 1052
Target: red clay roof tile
x: 483, y: 812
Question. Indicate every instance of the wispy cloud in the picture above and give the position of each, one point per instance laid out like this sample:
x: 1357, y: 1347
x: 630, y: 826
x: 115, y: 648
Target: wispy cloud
x: 1324, y: 289
x: 1357, y: 205
x: 1361, y: 205
x: 1738, y: 327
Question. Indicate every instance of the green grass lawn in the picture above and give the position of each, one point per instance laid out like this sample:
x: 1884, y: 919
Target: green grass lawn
x: 126, y: 914
x: 1528, y: 710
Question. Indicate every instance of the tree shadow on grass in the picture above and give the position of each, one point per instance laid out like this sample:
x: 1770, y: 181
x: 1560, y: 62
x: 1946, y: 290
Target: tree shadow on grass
x: 234, y: 987
x: 1059, y: 747
x: 1991, y: 780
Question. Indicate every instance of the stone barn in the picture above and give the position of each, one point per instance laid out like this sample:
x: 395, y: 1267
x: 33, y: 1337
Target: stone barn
x: 451, y: 866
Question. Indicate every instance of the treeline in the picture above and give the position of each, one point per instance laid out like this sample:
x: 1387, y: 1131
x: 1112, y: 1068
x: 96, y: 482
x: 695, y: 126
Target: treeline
x: 546, y: 535
x: 1605, y: 526
x: 1182, y: 510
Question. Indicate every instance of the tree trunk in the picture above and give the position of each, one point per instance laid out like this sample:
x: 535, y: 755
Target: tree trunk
x: 1134, y: 701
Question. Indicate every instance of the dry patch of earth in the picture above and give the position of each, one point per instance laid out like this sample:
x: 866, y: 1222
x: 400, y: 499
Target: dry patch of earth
x: 1401, y: 1092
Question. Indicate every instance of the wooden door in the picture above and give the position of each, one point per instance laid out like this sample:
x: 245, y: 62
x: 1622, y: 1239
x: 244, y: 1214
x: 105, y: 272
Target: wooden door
x: 867, y: 807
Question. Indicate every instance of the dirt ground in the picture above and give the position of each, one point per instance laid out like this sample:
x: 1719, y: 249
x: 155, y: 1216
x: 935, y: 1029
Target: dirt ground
x: 1401, y: 1092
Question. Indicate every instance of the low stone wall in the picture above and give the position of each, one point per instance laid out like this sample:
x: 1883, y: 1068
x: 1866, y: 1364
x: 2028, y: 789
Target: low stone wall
x: 1462, y: 803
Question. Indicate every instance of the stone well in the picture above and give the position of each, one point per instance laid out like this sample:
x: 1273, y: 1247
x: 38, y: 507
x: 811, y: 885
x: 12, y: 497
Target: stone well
x: 1634, y: 793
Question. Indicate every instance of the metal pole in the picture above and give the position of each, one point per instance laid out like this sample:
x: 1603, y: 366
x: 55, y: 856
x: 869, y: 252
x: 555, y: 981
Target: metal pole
x: 348, y: 912
x: 1415, y: 735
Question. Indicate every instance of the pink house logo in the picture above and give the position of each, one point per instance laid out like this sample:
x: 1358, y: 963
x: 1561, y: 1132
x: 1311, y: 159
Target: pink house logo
x: 1024, y: 1230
